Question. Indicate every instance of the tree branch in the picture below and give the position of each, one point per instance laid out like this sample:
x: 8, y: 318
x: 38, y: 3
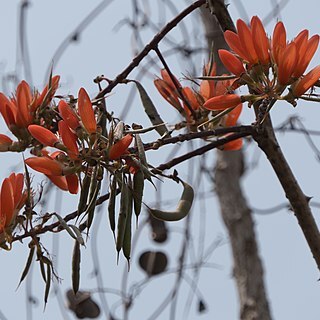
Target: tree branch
x: 149, y: 47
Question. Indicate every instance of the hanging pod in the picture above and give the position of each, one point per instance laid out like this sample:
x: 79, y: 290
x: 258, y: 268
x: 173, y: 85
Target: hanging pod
x: 183, y: 207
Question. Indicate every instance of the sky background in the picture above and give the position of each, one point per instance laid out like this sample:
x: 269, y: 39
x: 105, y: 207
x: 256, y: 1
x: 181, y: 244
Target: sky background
x: 106, y: 47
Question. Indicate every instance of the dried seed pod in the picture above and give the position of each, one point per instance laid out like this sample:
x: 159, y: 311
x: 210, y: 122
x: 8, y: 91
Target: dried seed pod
x: 48, y: 283
x: 112, y: 204
x: 122, y: 218
x: 141, y: 151
x: 84, y: 194
x: 118, y: 131
x: 151, y: 110
x: 28, y: 264
x: 138, y: 186
x: 183, y: 208
x: 76, y: 259
x: 126, y: 246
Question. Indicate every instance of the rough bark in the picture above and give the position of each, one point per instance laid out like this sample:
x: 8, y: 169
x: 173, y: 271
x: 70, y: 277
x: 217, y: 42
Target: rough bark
x: 248, y: 271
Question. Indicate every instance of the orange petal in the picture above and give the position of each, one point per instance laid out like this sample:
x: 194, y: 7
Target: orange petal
x: 45, y: 165
x: 231, y: 62
x: 235, y: 44
x: 192, y: 99
x: 233, y: 116
x: 45, y: 95
x: 7, y: 201
x: 73, y: 183
x: 43, y: 135
x: 24, y: 99
x: 68, y: 115
x: 8, y: 110
x: 86, y: 111
x: 233, y: 145
x: 69, y: 139
x: 260, y: 40
x: 279, y: 41
x: 168, y: 93
x: 245, y: 37
x: 222, y: 102
x: 166, y: 77
x: 120, y: 147
x: 5, y: 140
x: 59, y: 181
x: 287, y: 63
x: 304, y: 84
x: 306, y: 53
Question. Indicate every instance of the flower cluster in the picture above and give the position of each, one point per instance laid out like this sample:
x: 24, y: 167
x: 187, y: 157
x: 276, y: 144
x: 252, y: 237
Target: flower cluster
x: 191, y: 103
x: 267, y: 66
x: 69, y: 127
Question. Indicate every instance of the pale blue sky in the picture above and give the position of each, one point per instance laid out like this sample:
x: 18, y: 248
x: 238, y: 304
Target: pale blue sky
x: 105, y: 48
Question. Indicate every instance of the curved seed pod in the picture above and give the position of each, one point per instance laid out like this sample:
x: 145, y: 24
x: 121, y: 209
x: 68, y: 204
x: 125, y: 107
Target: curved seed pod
x: 65, y: 226
x: 126, y: 246
x: 138, y: 186
x: 124, y: 201
x: 84, y: 194
x: 76, y: 259
x: 183, y: 208
x: 28, y: 264
x: 112, y: 205
x: 151, y: 110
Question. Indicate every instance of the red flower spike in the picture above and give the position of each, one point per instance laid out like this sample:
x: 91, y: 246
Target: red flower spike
x: 73, y: 183
x: 166, y: 77
x: 120, y: 147
x: 306, y: 53
x: 17, y: 182
x: 86, y: 112
x: 69, y: 139
x: 59, y: 181
x: 245, y: 37
x: 233, y: 116
x: 260, y: 40
x: 167, y: 93
x: 304, y: 84
x: 287, y: 63
x: 45, y: 165
x: 222, y: 102
x: 68, y: 115
x: 43, y: 135
x: 7, y: 202
x: 235, y: 45
x: 192, y: 99
x: 279, y: 41
x: 231, y: 62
